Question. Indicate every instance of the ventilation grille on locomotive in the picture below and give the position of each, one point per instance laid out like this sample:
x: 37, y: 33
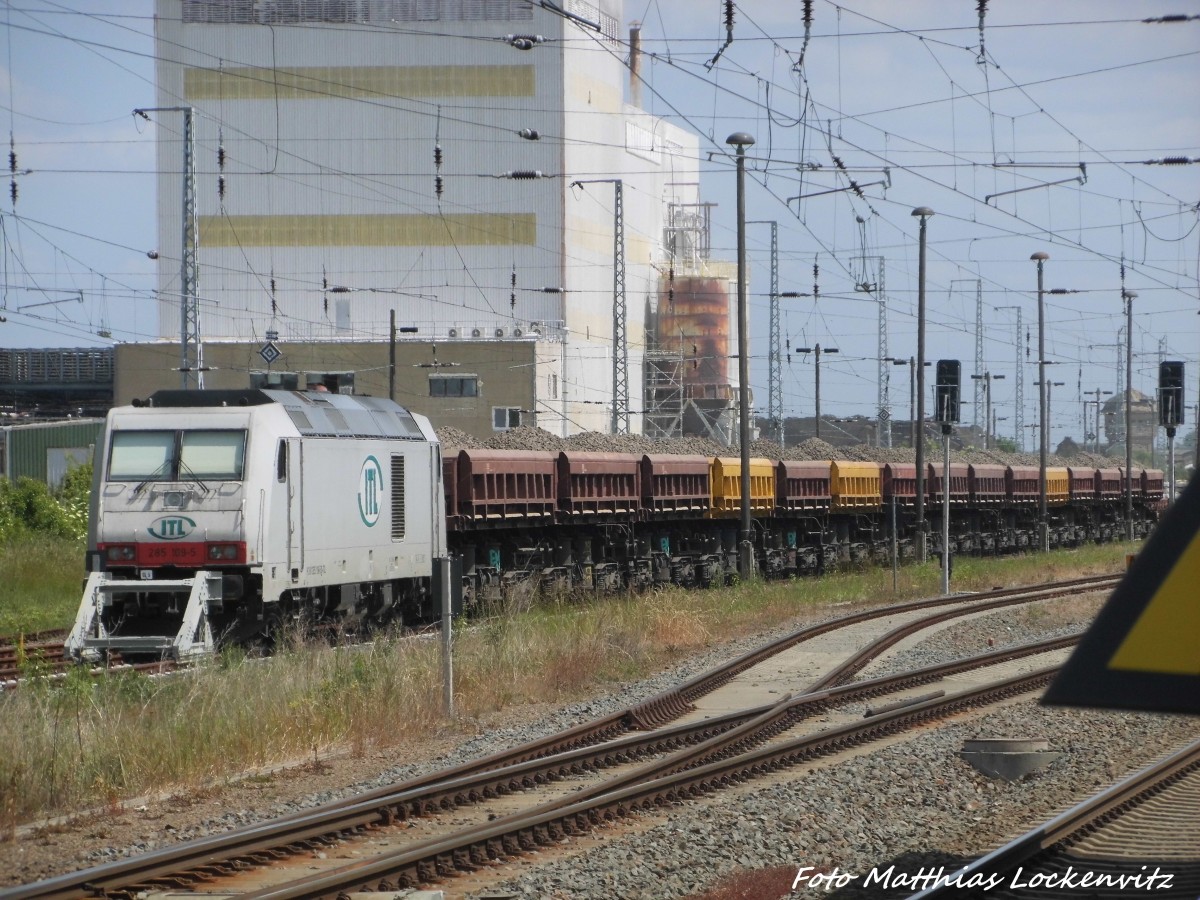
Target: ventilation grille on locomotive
x: 397, y: 498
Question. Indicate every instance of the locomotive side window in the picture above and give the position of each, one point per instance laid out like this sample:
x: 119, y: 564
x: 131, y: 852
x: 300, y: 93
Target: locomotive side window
x: 141, y: 455
x: 172, y: 455
x: 215, y: 455
x: 281, y: 463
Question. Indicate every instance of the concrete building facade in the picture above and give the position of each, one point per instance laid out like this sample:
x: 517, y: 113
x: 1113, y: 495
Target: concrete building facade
x: 451, y: 161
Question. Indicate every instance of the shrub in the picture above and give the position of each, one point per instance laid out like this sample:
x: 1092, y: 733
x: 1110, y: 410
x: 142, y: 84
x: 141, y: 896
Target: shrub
x: 28, y: 505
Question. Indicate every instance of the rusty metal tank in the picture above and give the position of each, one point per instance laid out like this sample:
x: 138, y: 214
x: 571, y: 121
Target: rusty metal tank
x: 696, y: 323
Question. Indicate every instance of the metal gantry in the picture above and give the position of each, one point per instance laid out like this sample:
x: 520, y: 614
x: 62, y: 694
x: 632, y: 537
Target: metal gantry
x: 620, y: 375
x: 1019, y: 423
x: 620, y: 417
x: 191, y: 348
x: 979, y: 364
x: 978, y: 349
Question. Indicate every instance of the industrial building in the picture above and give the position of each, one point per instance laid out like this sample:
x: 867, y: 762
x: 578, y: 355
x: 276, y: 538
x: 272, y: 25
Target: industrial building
x: 457, y: 201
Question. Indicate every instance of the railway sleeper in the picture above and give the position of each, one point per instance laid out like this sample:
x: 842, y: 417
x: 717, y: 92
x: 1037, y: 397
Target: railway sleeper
x: 409, y: 877
x: 478, y: 854
x: 426, y: 871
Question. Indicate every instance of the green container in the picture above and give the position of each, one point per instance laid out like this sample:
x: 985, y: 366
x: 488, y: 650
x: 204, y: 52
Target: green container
x: 46, y: 450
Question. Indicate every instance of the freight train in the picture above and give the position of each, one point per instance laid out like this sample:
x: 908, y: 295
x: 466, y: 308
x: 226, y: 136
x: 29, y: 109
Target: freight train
x: 221, y: 516
x: 608, y: 521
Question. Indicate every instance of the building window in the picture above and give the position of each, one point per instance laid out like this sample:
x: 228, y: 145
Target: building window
x: 505, y: 417
x: 454, y: 386
x: 552, y: 387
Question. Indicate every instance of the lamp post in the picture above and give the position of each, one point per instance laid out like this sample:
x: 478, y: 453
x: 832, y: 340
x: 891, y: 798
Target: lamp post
x: 740, y: 141
x: 986, y: 378
x: 923, y: 213
x: 1128, y: 297
x: 816, y: 350
x: 1043, y: 519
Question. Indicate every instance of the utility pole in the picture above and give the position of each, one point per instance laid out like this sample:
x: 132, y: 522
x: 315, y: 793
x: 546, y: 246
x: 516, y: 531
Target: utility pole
x: 1040, y: 258
x: 816, y: 350
x: 1097, y: 393
x: 1128, y: 297
x: 922, y: 213
x: 986, y: 381
x: 740, y: 140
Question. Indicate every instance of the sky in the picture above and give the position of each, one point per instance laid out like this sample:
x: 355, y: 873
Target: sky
x: 1037, y: 134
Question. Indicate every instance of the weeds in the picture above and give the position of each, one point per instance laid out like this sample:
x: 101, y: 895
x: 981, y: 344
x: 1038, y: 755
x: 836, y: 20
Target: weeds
x: 90, y: 743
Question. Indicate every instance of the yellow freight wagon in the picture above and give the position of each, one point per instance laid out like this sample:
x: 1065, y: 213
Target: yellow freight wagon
x: 856, y: 486
x: 1058, y: 486
x: 727, y: 487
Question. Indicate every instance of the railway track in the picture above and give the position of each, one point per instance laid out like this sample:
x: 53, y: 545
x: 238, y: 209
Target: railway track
x: 1142, y: 835
x: 621, y: 739
x: 44, y: 658
x: 19, y: 657
x: 45, y: 661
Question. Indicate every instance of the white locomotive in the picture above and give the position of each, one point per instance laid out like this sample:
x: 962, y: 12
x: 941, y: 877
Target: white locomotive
x: 222, y: 515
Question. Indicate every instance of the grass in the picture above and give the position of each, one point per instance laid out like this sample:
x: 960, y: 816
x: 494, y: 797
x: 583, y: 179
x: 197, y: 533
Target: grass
x: 79, y: 744
x: 41, y: 582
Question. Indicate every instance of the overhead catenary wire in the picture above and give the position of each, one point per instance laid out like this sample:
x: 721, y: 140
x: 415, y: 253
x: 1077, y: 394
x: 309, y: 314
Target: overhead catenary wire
x: 833, y: 250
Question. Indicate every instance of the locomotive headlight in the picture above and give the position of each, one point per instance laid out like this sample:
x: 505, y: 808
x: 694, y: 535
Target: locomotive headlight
x: 120, y: 552
x: 222, y: 551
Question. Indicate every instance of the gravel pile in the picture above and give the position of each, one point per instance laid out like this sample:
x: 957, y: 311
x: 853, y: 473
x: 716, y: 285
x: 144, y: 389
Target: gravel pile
x: 454, y: 440
x: 527, y: 438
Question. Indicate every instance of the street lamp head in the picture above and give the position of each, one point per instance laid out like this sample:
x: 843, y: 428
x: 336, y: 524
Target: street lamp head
x: 923, y: 211
x: 1129, y: 295
x: 741, y: 140
x: 1040, y: 256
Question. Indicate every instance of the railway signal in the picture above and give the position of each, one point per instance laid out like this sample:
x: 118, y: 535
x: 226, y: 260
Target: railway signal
x: 948, y: 378
x: 1170, y: 393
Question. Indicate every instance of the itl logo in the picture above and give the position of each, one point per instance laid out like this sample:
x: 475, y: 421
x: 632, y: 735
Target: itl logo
x: 171, y: 528
x: 370, y: 489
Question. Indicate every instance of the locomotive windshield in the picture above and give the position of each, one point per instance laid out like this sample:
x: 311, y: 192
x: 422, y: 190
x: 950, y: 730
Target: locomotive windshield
x: 191, y: 455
